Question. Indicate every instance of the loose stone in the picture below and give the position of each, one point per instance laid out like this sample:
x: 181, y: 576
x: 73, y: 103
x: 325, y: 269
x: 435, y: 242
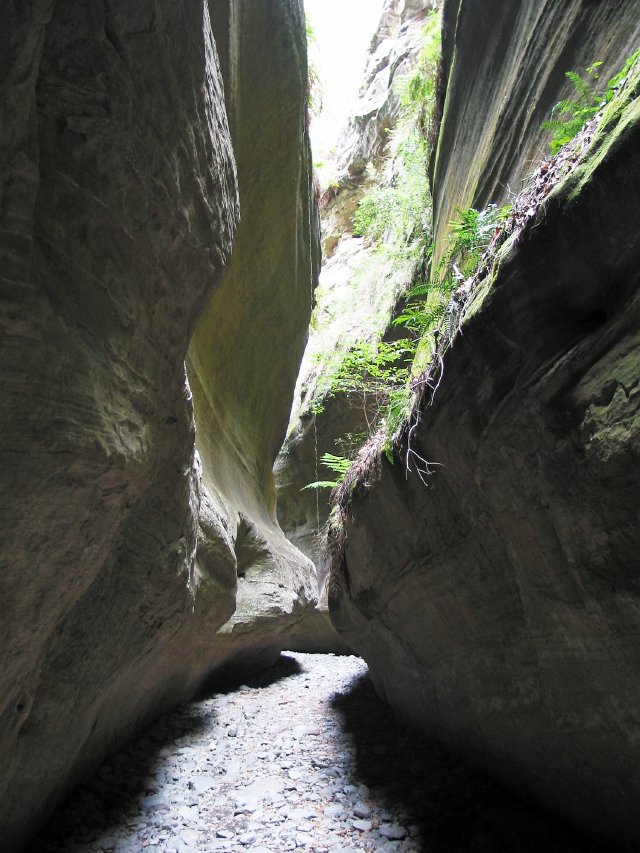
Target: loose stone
x: 361, y: 810
x: 393, y: 833
x: 290, y: 779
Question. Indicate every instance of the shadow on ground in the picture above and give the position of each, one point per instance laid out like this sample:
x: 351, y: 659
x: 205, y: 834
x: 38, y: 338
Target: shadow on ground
x: 454, y: 807
x: 124, y: 778
x: 121, y: 780
x: 284, y: 667
x: 244, y: 670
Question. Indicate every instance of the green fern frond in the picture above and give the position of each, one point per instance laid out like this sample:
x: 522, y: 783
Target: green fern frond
x: 586, y: 103
x: 582, y: 87
x: 321, y: 484
x: 338, y: 464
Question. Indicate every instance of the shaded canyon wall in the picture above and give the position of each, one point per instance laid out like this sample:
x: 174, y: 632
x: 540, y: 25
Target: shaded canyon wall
x: 505, y: 66
x: 118, y: 208
x: 498, y: 606
x: 247, y: 347
x: 358, y: 292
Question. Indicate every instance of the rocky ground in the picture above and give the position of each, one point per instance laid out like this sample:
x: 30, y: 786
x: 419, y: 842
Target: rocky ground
x: 304, y: 757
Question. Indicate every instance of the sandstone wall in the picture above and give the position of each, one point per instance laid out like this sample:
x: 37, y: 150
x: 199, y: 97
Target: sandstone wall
x: 505, y: 63
x: 359, y: 287
x: 247, y: 348
x: 118, y: 205
x: 358, y: 291
x: 498, y: 606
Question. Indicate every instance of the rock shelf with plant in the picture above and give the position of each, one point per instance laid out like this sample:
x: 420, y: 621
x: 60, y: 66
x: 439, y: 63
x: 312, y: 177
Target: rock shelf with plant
x: 569, y: 116
x: 436, y: 309
x: 390, y: 379
x: 393, y: 219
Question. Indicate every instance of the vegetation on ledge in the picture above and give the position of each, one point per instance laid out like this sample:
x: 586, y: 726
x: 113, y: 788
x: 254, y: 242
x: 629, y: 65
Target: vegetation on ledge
x: 437, y: 308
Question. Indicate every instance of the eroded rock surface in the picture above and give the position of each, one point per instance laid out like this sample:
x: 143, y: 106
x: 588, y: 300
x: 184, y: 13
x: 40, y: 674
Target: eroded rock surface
x: 505, y: 64
x: 247, y: 347
x: 394, y: 49
x: 118, y: 205
x: 498, y: 605
x: 359, y: 289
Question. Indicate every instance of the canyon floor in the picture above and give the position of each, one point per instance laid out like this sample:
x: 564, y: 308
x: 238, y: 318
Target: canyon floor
x: 305, y: 756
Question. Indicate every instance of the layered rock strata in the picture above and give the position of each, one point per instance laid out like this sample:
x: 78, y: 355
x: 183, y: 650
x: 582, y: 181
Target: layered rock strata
x: 118, y: 205
x: 505, y: 64
x: 498, y: 604
x: 394, y: 49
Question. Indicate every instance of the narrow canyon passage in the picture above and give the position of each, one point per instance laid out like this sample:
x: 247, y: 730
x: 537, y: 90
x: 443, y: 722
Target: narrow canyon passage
x: 304, y: 757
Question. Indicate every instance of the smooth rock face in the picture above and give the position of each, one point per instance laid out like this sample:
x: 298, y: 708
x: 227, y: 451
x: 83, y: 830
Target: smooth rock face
x: 248, y: 344
x: 355, y: 300
x: 118, y: 205
x: 510, y: 59
x: 498, y: 607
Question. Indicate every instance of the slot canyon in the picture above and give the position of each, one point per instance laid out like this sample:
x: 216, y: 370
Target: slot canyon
x: 209, y: 300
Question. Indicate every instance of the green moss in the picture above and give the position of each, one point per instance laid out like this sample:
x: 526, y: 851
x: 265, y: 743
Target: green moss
x: 619, y: 117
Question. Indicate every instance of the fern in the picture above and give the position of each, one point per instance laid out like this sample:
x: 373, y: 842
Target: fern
x: 583, y: 89
x: 321, y: 484
x: 621, y: 77
x: 338, y: 464
x: 569, y: 116
x: 430, y: 300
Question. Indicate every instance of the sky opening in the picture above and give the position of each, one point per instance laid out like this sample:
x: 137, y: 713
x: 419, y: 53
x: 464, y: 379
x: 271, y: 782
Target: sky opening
x: 342, y: 32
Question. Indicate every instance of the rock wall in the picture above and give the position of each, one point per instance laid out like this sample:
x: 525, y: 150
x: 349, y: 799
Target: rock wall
x: 358, y: 291
x: 118, y: 206
x: 359, y: 287
x: 505, y: 63
x: 247, y: 348
x: 395, y: 46
x: 498, y: 605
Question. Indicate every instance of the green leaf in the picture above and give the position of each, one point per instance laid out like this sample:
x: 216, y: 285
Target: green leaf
x: 336, y: 463
x: 321, y: 484
x: 585, y: 104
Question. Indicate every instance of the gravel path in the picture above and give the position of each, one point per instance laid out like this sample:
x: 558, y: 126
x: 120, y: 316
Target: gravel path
x: 306, y: 757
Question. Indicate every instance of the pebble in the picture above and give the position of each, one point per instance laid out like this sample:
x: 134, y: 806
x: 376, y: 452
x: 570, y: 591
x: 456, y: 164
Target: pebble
x: 306, y: 758
x: 393, y: 833
x: 361, y: 810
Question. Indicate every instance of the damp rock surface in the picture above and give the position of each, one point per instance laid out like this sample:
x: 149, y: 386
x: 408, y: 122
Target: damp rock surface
x: 304, y: 757
x: 504, y: 67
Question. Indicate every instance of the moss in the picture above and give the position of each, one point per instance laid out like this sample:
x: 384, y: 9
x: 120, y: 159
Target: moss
x: 618, y: 119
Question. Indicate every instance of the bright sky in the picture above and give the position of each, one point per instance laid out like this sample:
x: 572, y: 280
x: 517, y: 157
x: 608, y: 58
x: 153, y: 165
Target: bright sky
x: 343, y: 30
